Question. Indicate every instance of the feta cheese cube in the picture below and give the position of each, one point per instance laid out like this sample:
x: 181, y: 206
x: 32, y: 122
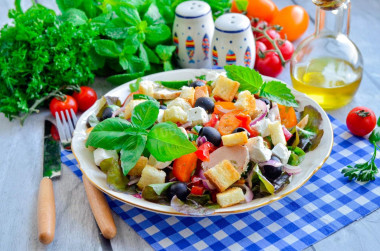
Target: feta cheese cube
x: 197, y: 116
x: 180, y: 102
x: 147, y: 87
x: 101, y: 154
x: 282, y: 152
x: 257, y: 150
x: 160, y: 117
x: 175, y: 114
x: 262, y: 127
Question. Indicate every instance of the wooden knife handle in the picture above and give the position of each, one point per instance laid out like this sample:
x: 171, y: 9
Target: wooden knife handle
x: 46, y: 211
x: 100, y: 209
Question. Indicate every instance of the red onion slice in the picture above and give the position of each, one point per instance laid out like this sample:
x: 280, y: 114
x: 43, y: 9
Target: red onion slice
x: 287, y: 134
x: 292, y: 169
x: 270, y: 162
x: 173, y: 179
x: 264, y: 110
x: 223, y: 110
x: 248, y: 194
x: 186, y: 125
x: 206, y: 183
x: 201, y: 140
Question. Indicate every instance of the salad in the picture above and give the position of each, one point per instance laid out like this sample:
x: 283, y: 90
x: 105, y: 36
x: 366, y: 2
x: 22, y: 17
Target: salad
x: 201, y: 144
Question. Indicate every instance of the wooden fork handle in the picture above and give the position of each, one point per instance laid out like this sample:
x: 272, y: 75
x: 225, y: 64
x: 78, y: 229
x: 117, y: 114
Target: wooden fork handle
x: 46, y: 211
x: 100, y: 209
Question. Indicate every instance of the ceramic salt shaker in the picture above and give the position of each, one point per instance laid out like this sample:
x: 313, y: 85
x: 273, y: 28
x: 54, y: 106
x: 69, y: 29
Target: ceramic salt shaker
x: 233, y: 42
x: 192, y: 34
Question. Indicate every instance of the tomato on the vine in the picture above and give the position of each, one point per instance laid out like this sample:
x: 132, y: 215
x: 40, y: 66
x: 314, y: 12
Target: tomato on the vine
x: 262, y: 9
x: 294, y: 21
x: 260, y: 48
x: 85, y: 98
x: 273, y: 35
x: 258, y: 24
x: 270, y: 65
x: 286, y: 49
x: 57, y: 105
x: 361, y: 121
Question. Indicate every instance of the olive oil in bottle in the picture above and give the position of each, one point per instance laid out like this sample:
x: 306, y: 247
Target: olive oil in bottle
x: 331, y: 82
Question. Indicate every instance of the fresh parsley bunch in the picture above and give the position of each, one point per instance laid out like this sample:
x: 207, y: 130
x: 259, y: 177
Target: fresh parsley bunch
x: 40, y: 55
x: 165, y: 141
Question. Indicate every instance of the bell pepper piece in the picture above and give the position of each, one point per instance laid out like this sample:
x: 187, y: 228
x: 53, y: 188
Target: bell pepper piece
x: 204, y: 150
x: 184, y: 166
x: 288, y: 116
x: 228, y: 122
x: 213, y: 121
x: 245, y: 123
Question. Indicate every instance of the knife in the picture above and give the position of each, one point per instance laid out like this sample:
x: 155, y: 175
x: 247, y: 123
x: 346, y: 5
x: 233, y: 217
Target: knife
x: 46, y: 204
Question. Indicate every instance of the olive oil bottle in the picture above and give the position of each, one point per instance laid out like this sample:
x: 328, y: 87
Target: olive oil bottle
x: 328, y: 66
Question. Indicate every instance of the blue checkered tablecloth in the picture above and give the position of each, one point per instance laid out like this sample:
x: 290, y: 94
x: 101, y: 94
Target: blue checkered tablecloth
x: 326, y: 203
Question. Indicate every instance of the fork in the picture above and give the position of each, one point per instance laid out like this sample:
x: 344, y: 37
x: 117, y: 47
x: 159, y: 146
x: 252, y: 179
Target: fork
x: 98, y: 203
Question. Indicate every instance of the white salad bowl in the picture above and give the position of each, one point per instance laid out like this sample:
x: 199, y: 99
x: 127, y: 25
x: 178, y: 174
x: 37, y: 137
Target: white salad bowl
x: 312, y: 163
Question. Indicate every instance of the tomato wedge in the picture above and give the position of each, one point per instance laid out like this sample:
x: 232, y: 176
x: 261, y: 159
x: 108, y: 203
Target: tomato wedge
x: 184, y: 166
x: 228, y: 122
x: 197, y: 190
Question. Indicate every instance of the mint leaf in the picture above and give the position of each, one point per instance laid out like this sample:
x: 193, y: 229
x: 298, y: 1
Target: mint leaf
x: 248, y: 78
x: 279, y: 93
x: 168, y: 66
x: 145, y: 114
x: 129, y: 14
x: 375, y: 136
x: 153, y: 58
x: 153, y: 16
x: 241, y: 4
x: 165, y: 52
x: 131, y: 152
x: 166, y: 142
x: 131, y: 44
x: 107, y: 48
x: 75, y: 16
x: 157, y: 34
x: 144, y: 56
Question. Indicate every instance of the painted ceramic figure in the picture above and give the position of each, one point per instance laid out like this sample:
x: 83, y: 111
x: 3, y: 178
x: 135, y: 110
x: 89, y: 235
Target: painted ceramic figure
x: 192, y: 34
x: 233, y: 42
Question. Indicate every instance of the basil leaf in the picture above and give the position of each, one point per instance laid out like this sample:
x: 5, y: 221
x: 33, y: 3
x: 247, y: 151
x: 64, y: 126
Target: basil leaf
x: 134, y: 87
x: 131, y: 152
x: 112, y: 133
x: 143, y: 96
x: 153, y: 16
x: 165, y: 52
x: 154, y: 192
x: 157, y: 34
x: 129, y: 14
x: 75, y: 16
x: 124, y: 78
x: 175, y: 84
x: 166, y: 142
x: 375, y: 136
x: 107, y: 48
x: 279, y: 93
x: 145, y: 114
x: 249, y: 79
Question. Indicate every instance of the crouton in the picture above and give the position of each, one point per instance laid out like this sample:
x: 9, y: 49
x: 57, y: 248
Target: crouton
x: 230, y: 197
x: 137, y: 169
x: 151, y: 175
x: 246, y: 101
x: 162, y: 92
x: 201, y: 91
x: 276, y: 133
x: 130, y: 106
x: 175, y: 114
x: 180, y: 102
x: 187, y: 93
x: 147, y: 87
x: 225, y: 88
x: 234, y: 139
x: 222, y: 175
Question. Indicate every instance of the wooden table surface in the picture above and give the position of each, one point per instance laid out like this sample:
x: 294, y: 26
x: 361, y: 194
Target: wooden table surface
x: 21, y: 162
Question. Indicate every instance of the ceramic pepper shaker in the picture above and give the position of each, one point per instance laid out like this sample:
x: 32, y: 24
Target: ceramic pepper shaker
x: 233, y: 42
x: 193, y: 29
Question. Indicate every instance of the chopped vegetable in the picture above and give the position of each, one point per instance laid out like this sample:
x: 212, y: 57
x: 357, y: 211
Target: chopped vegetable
x: 228, y: 122
x: 197, y: 190
x: 213, y: 121
x: 246, y: 124
x: 155, y: 192
x: 203, y: 152
x: 288, y: 116
x: 184, y: 166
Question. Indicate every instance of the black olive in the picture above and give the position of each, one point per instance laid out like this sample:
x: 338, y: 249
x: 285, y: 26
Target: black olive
x: 197, y: 83
x: 212, y: 135
x: 206, y: 103
x: 241, y: 129
x: 107, y: 113
x: 163, y: 107
x: 275, y: 158
x: 179, y: 189
x: 267, y: 102
x: 272, y: 172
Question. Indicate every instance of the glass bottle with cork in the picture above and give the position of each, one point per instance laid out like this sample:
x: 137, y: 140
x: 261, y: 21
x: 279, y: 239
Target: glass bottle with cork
x: 328, y: 66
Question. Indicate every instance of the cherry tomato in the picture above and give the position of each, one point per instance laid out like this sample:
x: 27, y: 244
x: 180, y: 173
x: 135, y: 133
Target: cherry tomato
x: 270, y: 65
x: 286, y: 49
x: 68, y: 103
x: 361, y: 121
x: 262, y: 9
x: 260, y: 48
x: 85, y: 98
x: 259, y: 24
x: 273, y: 35
x: 294, y: 21
x: 197, y: 190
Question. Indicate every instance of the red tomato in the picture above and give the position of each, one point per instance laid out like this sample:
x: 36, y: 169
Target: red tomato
x: 85, y: 98
x: 54, y: 132
x: 361, y: 121
x: 294, y: 21
x: 259, y: 24
x: 286, y: 49
x: 204, y: 150
x: 68, y: 103
x: 273, y: 35
x: 260, y: 46
x: 197, y: 190
x: 262, y: 9
x: 270, y: 65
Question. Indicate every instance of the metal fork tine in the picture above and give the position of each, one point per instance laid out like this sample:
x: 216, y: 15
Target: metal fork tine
x: 61, y: 132
x: 74, y: 117
x: 65, y: 126
x: 70, y: 122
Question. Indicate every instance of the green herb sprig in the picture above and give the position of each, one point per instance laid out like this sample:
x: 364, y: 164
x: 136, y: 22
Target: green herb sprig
x: 165, y: 141
x: 366, y: 171
x: 252, y: 81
